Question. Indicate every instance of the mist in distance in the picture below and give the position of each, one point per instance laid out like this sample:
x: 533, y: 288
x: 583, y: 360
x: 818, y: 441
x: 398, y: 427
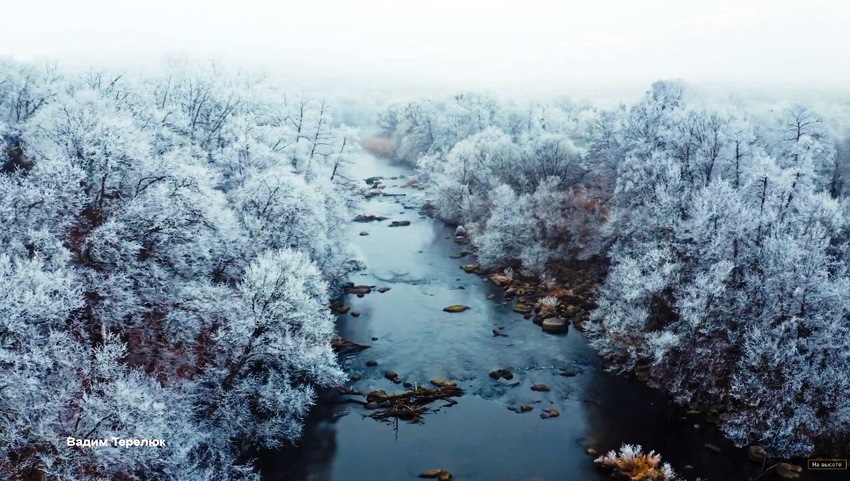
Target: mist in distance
x: 605, y: 50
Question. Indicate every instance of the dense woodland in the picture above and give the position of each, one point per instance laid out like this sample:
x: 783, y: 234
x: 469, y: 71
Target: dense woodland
x: 169, y: 246
x: 171, y: 243
x: 724, y: 227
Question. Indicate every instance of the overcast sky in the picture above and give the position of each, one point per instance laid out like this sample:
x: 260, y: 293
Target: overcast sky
x: 520, y: 46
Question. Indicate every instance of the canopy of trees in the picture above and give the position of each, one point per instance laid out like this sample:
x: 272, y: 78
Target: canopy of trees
x: 725, y: 229
x: 169, y: 246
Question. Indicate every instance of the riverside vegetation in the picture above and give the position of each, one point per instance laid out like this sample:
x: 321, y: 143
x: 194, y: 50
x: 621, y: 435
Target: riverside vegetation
x: 173, y: 244
x: 721, y: 230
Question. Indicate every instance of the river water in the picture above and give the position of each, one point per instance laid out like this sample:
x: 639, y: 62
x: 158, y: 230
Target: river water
x: 479, y: 438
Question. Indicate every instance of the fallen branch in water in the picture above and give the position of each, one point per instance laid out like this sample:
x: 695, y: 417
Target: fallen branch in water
x: 411, y: 405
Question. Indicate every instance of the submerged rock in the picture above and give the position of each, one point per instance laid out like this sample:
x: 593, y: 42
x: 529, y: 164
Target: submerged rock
x: 383, y: 289
x: 524, y: 408
x: 357, y: 290
x: 456, y: 308
x: 390, y: 375
x: 470, y: 268
x: 502, y: 374
x: 371, y: 363
x: 355, y: 314
x: 399, y: 223
x: 550, y: 413
x: 369, y: 218
x: 540, y: 388
x: 443, y: 383
x: 712, y: 448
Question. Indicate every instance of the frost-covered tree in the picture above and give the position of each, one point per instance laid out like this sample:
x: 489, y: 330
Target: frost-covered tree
x: 168, y: 247
x: 728, y: 282
x: 270, y: 354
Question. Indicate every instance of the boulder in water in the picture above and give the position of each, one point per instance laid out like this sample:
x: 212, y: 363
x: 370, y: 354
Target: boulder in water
x: 357, y: 289
x: 369, y: 218
x: 712, y: 448
x: 555, y: 325
x: 456, y: 308
x: 522, y: 308
x: 399, y: 223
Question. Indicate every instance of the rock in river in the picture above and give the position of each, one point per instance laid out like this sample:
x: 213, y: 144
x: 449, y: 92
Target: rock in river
x: 550, y: 413
x: 712, y: 447
x: 371, y: 363
x: 383, y: 289
x: 522, y: 308
x: 440, y: 474
x: 555, y: 325
x: 399, y: 223
x: 456, y: 308
x: 369, y: 218
x: 540, y: 388
x: 341, y: 308
x: 357, y: 290
x: 502, y: 374
x: 390, y: 375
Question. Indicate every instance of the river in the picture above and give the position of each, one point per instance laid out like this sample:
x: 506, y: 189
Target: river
x: 479, y: 438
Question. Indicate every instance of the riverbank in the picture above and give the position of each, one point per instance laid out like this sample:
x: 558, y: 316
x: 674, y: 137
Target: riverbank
x: 479, y: 438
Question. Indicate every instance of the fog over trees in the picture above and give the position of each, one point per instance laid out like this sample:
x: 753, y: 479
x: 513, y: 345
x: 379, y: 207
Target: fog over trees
x: 169, y: 247
x: 724, y: 226
x: 172, y: 243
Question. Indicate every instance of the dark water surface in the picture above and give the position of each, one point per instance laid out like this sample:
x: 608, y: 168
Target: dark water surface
x: 479, y: 438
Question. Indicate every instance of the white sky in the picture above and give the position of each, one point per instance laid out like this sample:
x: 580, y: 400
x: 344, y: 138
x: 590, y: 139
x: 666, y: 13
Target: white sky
x: 519, y: 46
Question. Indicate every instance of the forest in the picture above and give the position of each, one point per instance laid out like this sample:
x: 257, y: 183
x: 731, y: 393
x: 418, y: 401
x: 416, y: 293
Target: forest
x: 723, y: 226
x: 170, y: 244
x: 173, y: 244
